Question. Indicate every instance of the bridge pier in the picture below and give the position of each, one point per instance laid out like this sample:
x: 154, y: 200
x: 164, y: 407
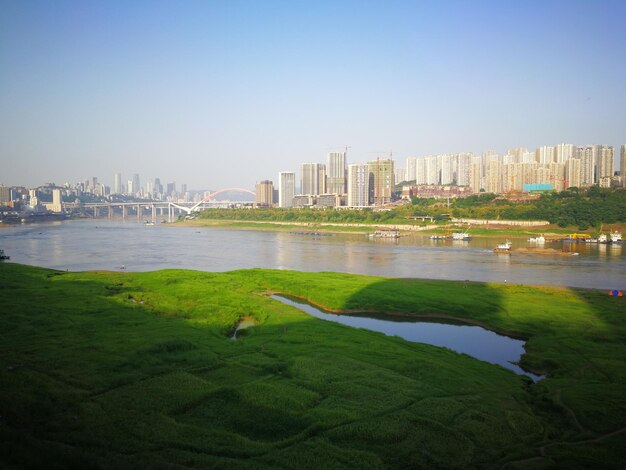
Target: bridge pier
x: 123, y: 212
x: 110, y: 213
x: 153, y: 213
x: 95, y: 212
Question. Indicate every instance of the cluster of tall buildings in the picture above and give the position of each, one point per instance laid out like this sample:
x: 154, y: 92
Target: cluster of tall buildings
x: 153, y: 189
x: 337, y: 183
x: 51, y: 196
x: 332, y: 184
x: 560, y: 166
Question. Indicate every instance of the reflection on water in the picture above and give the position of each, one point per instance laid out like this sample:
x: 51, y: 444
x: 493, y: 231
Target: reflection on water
x: 102, y: 244
x: 472, y: 340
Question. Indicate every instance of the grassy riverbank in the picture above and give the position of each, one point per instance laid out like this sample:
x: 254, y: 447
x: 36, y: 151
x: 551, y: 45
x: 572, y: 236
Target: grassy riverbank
x: 137, y: 369
x: 495, y: 231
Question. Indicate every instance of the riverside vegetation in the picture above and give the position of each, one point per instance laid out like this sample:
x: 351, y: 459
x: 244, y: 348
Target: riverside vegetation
x: 116, y: 370
x: 576, y: 209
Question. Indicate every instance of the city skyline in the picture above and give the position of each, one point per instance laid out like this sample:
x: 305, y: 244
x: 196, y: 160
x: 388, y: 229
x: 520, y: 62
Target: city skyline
x: 595, y: 163
x: 228, y: 94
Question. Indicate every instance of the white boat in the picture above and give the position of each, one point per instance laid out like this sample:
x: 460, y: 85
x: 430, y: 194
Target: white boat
x: 602, y: 238
x: 385, y: 234
x: 461, y: 236
x: 3, y: 256
x: 540, y: 239
x: 616, y: 237
x: 504, y: 247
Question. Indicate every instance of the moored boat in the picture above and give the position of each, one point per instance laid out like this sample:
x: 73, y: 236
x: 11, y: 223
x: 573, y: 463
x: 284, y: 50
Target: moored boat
x: 385, y: 234
x: 540, y: 239
x: 3, y: 256
x: 504, y: 248
x: 461, y: 236
x: 616, y: 237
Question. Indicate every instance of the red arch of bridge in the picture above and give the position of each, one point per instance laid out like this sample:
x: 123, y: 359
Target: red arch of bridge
x: 212, y: 195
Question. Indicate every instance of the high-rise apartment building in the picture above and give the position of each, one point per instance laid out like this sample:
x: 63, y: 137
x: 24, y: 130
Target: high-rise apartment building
x: 312, y: 178
x: 563, y: 152
x: 475, y: 176
x: 420, y: 171
x: 5, y: 195
x: 462, y: 176
x: 381, y: 181
x: 136, y: 185
x: 446, y: 173
x: 358, y: 185
x: 544, y: 155
x: 336, y: 173
x: 622, y: 167
x: 529, y: 157
x: 399, y: 175
x: 57, y: 203
x: 573, y: 173
x: 517, y: 153
x: 265, y: 193
x: 493, y: 179
x: 606, y: 161
x: 158, y: 188
x: 286, y: 188
x: 117, y: 184
x: 588, y: 165
x: 411, y: 169
x: 431, y: 170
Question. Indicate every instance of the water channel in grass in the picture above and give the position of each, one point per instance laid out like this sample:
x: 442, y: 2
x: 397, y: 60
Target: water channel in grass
x: 468, y: 339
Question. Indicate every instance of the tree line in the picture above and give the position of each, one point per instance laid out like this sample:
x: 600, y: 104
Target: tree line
x: 583, y: 208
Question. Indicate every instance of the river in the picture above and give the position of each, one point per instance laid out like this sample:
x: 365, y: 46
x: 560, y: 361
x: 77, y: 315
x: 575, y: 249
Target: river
x: 101, y: 244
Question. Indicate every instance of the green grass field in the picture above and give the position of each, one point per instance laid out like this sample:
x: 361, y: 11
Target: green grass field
x: 127, y: 370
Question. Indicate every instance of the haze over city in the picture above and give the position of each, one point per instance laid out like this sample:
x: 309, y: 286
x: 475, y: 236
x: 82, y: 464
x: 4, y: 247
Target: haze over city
x: 221, y: 94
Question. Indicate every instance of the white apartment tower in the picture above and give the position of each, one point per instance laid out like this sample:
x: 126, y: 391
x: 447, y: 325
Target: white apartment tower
x: 464, y: 162
x: 573, y: 174
x: 420, y: 171
x: 476, y: 172
x: 312, y: 178
x: 446, y: 174
x: 493, y: 179
x: 606, y: 161
x: 431, y: 170
x: 336, y: 173
x: 399, y: 174
x: 545, y: 155
x: 286, y: 188
x: 117, y: 184
x: 563, y: 152
x: 622, y: 167
x: 411, y: 169
x: 517, y: 153
x: 358, y: 185
x: 588, y: 165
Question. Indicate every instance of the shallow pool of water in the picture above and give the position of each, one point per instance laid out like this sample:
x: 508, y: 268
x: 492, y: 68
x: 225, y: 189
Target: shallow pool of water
x: 472, y: 340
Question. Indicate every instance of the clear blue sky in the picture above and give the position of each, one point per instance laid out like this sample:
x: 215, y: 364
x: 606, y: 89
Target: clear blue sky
x: 226, y: 93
